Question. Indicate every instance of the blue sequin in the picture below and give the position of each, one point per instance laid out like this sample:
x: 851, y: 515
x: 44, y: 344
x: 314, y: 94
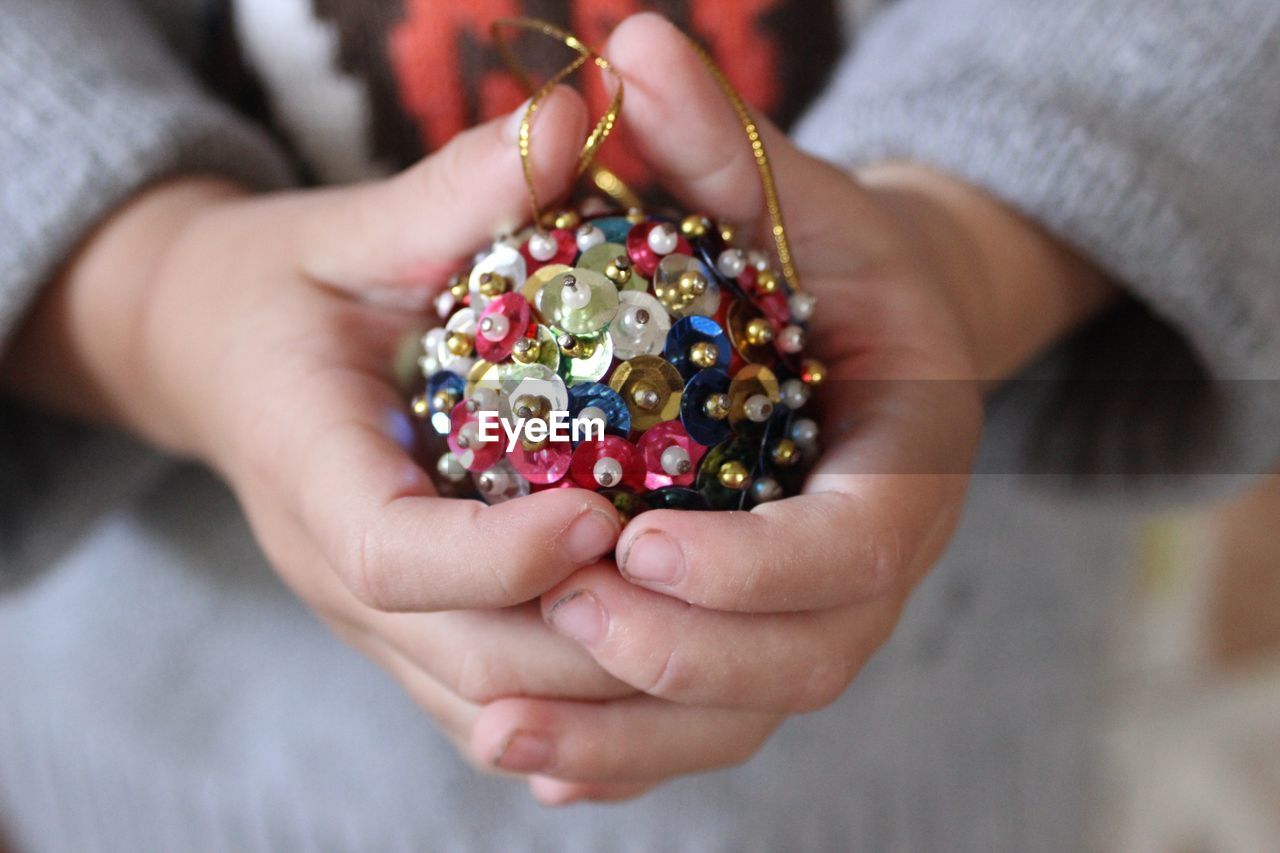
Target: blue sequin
x: 448, y: 381
x: 696, y: 330
x: 604, y: 398
x: 615, y: 228
x: 705, y: 430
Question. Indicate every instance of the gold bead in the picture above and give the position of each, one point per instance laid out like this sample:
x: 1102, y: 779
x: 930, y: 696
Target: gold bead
x: 619, y: 270
x: 636, y: 215
x: 420, y: 406
x: 733, y: 475
x: 785, y: 453
x: 530, y: 406
x: 570, y: 345
x: 535, y: 446
x: 671, y: 296
x: 526, y: 351
x: 813, y: 372
x: 568, y: 220
x: 493, y: 284
x: 759, y: 332
x: 704, y: 354
x: 692, y: 283
x: 727, y: 232
x: 459, y: 344
x: 444, y: 400
x: 458, y: 287
x: 716, y: 406
x: 695, y: 226
x: 767, y: 281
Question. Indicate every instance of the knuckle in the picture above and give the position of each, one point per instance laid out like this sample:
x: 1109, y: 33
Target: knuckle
x: 825, y: 684
x: 365, y: 573
x: 668, y: 676
x: 480, y: 679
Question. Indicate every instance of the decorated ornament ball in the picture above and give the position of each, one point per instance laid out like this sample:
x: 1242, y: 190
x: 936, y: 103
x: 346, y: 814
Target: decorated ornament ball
x: 640, y: 356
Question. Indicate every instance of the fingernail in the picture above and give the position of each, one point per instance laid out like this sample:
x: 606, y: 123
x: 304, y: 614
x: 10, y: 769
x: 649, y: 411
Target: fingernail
x: 511, y: 130
x: 590, y: 537
x: 654, y: 558
x: 580, y: 617
x: 526, y: 752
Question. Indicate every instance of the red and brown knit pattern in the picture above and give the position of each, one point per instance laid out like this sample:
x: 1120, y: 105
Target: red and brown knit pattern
x: 431, y: 70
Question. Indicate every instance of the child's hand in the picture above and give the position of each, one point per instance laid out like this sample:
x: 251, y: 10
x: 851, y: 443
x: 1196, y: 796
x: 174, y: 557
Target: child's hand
x: 257, y: 335
x: 927, y: 289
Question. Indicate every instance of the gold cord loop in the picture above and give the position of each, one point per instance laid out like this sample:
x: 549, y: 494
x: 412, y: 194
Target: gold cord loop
x: 603, y: 127
x: 603, y: 178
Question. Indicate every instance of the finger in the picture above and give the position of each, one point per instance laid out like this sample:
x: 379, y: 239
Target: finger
x: 881, y: 503
x: 785, y: 662
x: 553, y: 792
x: 690, y: 136
x: 486, y: 655
x: 396, y: 546
x: 415, y: 228
x: 628, y: 741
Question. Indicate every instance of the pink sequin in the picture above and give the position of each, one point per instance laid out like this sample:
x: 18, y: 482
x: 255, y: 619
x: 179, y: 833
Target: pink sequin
x: 519, y: 314
x: 545, y: 466
x: 655, y: 442
x: 480, y: 455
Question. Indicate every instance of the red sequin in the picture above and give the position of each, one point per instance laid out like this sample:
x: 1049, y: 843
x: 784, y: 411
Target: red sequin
x: 589, y: 453
x: 643, y: 257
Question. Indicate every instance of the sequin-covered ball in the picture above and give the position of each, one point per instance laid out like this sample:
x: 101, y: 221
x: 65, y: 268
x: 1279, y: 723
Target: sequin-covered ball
x: 682, y: 354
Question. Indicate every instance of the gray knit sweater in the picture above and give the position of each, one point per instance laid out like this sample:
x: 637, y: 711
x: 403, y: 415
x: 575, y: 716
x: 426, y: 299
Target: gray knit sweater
x: 160, y: 690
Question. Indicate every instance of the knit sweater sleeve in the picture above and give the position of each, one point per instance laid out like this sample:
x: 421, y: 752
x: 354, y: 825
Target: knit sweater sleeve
x: 94, y: 107
x: 1144, y: 134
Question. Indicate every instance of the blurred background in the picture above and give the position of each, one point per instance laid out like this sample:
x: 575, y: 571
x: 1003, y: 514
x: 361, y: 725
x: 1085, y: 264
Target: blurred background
x: 1192, y: 739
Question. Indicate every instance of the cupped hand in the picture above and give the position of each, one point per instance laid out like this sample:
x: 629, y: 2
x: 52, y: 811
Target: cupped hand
x: 269, y: 340
x: 730, y: 621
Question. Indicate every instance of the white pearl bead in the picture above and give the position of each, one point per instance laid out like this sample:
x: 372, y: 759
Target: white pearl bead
x: 440, y: 423
x: 791, y: 339
x: 495, y: 481
x: 594, y: 414
x: 635, y: 320
x: 445, y: 303
x: 608, y: 472
x: 804, y: 432
x: 758, y: 408
x: 495, y: 327
x: 575, y: 295
x: 676, y: 461
x: 450, y: 467
x: 589, y: 237
x: 483, y: 400
x: 469, y: 437
x: 802, y: 305
x: 766, y: 489
x: 758, y: 259
x: 732, y: 263
x: 794, y: 394
x: 664, y: 238
x: 543, y: 247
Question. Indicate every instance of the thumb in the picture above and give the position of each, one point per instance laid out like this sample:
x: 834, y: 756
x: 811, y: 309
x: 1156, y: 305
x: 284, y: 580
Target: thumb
x: 686, y: 131
x: 409, y: 232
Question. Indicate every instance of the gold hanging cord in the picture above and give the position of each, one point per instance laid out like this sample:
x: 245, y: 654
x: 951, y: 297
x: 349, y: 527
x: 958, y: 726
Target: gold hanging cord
x: 605, y: 180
